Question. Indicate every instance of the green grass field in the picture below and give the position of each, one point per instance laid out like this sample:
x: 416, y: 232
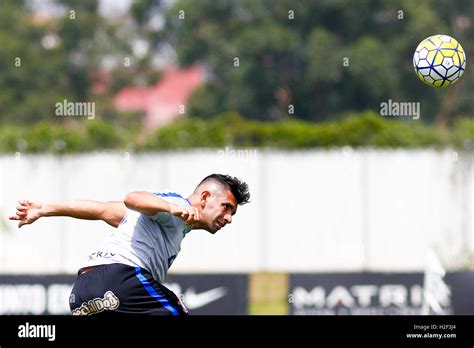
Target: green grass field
x: 268, y: 294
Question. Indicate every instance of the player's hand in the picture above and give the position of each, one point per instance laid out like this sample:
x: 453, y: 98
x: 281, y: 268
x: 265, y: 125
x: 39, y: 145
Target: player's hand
x: 27, y: 212
x: 189, y: 215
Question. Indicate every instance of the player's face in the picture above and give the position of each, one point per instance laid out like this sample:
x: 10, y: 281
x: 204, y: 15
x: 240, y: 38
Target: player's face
x: 220, y: 206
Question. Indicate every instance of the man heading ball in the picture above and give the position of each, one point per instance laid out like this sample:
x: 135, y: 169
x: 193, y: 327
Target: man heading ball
x: 125, y: 274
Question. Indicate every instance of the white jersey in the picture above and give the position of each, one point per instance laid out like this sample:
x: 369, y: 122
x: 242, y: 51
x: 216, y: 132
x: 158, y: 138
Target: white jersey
x: 151, y: 243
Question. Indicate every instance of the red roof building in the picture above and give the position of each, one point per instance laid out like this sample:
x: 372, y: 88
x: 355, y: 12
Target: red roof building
x: 163, y: 102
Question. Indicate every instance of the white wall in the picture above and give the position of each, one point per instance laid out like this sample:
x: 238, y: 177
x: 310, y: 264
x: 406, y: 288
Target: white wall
x: 311, y: 211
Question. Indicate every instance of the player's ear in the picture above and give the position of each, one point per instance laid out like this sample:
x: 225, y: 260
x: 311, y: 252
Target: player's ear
x: 204, y: 196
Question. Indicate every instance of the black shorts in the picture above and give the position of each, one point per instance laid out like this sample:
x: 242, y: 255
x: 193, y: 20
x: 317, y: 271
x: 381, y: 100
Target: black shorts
x: 118, y: 288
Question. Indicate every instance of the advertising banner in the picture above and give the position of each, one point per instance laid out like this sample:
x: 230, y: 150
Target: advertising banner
x: 202, y: 294
x: 376, y: 294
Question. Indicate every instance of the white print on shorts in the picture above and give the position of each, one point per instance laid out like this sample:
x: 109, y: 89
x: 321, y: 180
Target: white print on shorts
x: 97, y: 305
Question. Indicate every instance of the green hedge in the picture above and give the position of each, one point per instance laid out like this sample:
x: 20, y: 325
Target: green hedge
x: 57, y: 138
x: 356, y: 130
x: 230, y: 129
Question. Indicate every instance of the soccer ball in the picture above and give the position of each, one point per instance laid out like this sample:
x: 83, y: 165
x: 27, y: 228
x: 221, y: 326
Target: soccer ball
x: 439, y: 60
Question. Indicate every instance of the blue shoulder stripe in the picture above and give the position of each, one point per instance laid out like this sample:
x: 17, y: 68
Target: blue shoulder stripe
x: 171, y: 194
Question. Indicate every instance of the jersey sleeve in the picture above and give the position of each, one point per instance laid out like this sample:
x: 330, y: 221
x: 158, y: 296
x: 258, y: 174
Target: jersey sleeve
x: 172, y: 197
x: 162, y: 218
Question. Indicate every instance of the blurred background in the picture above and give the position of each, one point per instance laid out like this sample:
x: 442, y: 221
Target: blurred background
x: 352, y: 212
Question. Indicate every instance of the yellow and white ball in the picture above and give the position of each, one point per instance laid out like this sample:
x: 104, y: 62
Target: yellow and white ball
x: 439, y: 60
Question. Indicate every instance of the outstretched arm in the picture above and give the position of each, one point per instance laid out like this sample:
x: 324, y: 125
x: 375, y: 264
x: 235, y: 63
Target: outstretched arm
x: 112, y: 213
x: 149, y: 204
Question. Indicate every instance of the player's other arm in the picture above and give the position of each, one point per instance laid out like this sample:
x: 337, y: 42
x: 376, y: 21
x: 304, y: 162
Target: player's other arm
x: 150, y: 204
x: 111, y: 212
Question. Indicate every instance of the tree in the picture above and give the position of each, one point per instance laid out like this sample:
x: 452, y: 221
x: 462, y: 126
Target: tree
x: 29, y: 78
x: 323, y: 57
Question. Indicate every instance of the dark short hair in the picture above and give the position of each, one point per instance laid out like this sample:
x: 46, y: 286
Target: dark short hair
x: 239, y: 189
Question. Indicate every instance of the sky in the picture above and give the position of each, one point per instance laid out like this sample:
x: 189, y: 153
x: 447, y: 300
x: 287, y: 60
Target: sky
x: 114, y: 7
x: 107, y: 8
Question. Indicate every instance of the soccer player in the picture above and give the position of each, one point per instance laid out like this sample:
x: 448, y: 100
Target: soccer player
x: 125, y: 274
